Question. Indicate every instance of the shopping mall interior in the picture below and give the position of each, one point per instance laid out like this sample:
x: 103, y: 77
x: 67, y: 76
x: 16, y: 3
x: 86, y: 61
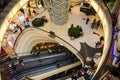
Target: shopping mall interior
x: 59, y: 40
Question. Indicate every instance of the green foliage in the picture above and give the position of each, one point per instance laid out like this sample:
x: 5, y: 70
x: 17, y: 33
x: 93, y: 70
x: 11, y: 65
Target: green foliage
x: 112, y: 2
x: 75, y: 32
x: 36, y: 22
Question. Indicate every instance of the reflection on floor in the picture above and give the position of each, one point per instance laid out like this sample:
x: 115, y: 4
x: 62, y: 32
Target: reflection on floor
x: 88, y: 51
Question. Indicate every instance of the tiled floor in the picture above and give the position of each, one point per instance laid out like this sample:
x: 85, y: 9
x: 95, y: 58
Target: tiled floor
x: 76, y: 18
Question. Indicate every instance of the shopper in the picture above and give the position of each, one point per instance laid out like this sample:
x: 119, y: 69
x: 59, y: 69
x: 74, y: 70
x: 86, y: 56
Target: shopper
x: 58, y: 63
x: 98, y: 23
x: 25, y: 24
x: 17, y: 29
x: 42, y: 3
x: 101, y: 47
x: 92, y: 63
x: 98, y: 43
x: 40, y: 61
x: 33, y: 13
x: 13, y: 67
x: 21, y: 63
x: 29, y: 12
x: 44, y: 19
x: 70, y: 10
x: 9, y: 59
x: 101, y: 38
x: 22, y: 10
x: 71, y: 25
x: 50, y: 51
x: 93, y: 25
x: 29, y: 4
x: 87, y: 20
x: 27, y: 21
x: 52, y: 34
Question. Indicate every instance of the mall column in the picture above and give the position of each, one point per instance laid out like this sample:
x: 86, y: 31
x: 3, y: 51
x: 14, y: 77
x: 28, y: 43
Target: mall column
x: 58, y: 10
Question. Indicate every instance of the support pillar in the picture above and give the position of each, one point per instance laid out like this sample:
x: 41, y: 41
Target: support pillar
x: 58, y: 10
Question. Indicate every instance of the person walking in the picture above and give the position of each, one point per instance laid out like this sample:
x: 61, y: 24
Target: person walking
x: 33, y: 13
x: 29, y: 4
x: 21, y: 63
x: 17, y: 29
x: 42, y: 3
x: 97, y: 44
x: 92, y: 63
x: 22, y: 10
x: 93, y: 24
x: 13, y: 67
x: 25, y: 24
x: 58, y: 63
x: 98, y: 23
x: 70, y: 10
x: 87, y: 20
x: 29, y: 12
x: 40, y: 62
x: 27, y: 21
x: 101, y: 38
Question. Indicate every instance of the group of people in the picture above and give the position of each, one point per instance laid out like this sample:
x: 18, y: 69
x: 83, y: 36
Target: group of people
x: 36, y: 51
x: 14, y: 30
x: 95, y: 24
x: 109, y: 77
x: 32, y: 10
x: 31, y: 13
x: 14, y: 27
x: 83, y: 74
x: 53, y: 50
x: 12, y: 67
x: 23, y: 18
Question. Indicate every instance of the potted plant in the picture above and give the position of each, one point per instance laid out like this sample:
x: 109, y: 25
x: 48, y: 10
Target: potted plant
x: 75, y: 32
x: 37, y: 22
